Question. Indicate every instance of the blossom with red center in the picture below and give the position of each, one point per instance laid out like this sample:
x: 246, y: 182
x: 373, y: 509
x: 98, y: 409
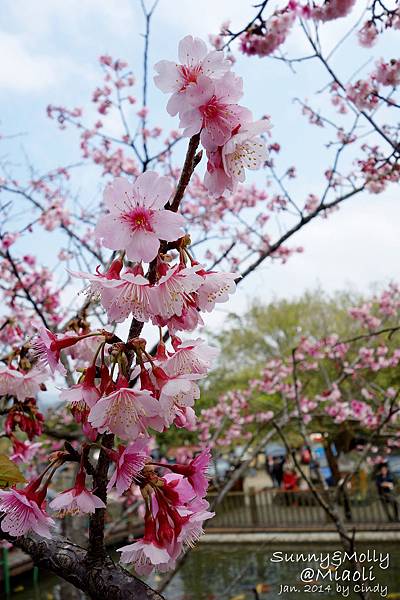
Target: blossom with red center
x: 213, y: 110
x: 77, y: 499
x: 136, y: 220
x: 130, y: 460
x: 126, y: 412
x: 174, y: 517
x: 24, y: 511
x: 195, y: 61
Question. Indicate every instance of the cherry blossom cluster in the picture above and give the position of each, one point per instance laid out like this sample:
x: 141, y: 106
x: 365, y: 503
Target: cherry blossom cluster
x: 20, y: 276
x: 112, y: 398
x: 382, y: 17
x: 263, y: 37
x: 174, y: 295
x: 123, y: 392
x: 32, y: 292
x: 351, y: 382
x: 241, y: 219
x: 205, y: 94
x: 366, y: 94
x: 232, y: 420
x: 175, y: 510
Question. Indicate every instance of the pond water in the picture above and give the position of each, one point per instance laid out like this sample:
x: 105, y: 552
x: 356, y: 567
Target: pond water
x: 227, y: 572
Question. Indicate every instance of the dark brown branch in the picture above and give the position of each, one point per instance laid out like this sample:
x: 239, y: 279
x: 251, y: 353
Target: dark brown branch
x: 390, y: 330
x: 97, y: 550
x: 303, y: 221
x: 104, y: 581
x: 248, y: 27
x: 191, y: 161
x: 26, y: 291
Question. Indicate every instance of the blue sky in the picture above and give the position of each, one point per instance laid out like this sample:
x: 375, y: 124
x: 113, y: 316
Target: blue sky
x: 49, y: 54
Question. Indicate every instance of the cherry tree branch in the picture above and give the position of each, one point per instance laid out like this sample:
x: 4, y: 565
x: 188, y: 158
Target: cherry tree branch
x: 101, y: 581
x: 191, y: 161
x: 290, y: 232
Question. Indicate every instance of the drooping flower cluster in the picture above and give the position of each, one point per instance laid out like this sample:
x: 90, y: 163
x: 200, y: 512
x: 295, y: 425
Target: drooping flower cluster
x: 175, y: 512
x: 205, y: 94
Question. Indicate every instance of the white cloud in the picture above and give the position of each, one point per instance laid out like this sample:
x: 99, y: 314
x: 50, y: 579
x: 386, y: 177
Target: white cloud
x: 77, y: 16
x: 23, y: 71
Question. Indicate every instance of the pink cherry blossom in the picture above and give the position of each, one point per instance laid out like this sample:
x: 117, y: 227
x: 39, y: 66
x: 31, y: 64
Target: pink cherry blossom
x: 213, y: 110
x: 178, y: 393
x: 77, y: 499
x: 125, y: 295
x: 192, y: 530
x: 30, y: 383
x: 216, y: 181
x: 136, y: 220
x: 273, y: 34
x: 185, y: 418
x: 216, y: 288
x: 23, y: 452
x: 130, y: 461
x: 145, y: 555
x: 191, y: 357
x: 10, y: 381
x: 189, y: 320
x: 85, y: 392
x: 23, y: 514
x: 195, y: 61
x: 245, y: 150
x: 227, y: 165
x: 334, y: 9
x: 47, y: 351
x: 125, y: 412
x: 195, y: 471
x: 368, y: 35
x: 177, y: 489
x: 168, y: 296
